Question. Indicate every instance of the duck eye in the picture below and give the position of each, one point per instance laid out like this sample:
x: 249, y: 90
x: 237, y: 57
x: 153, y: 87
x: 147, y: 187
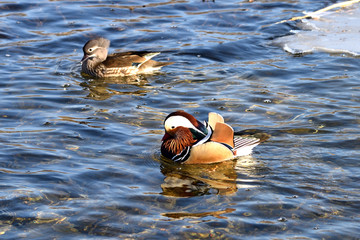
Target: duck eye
x: 172, y: 127
x: 90, y: 49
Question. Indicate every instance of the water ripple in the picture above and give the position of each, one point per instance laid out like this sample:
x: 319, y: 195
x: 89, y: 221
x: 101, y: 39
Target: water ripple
x: 80, y: 157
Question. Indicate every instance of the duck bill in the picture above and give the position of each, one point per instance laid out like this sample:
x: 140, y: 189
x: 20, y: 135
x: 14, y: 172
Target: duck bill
x: 85, y: 57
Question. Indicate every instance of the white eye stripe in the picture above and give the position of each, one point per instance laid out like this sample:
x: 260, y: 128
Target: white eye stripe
x: 178, y: 121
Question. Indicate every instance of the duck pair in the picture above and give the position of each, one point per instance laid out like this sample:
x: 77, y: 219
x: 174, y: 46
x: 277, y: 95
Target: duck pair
x: 186, y: 140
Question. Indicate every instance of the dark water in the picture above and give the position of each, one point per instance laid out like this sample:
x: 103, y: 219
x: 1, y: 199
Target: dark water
x: 80, y: 158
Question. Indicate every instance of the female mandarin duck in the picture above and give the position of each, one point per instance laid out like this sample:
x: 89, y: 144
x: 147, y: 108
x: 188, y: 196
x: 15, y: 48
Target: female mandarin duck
x: 98, y: 64
x: 189, y: 141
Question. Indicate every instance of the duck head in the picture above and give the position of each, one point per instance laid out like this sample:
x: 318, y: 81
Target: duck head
x: 182, y: 130
x: 96, y: 50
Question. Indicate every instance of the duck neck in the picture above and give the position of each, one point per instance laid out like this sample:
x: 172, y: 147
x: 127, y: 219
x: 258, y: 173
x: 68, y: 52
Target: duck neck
x: 89, y: 66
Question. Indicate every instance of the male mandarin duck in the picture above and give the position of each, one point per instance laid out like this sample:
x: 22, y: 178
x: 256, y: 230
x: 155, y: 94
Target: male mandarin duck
x: 189, y: 141
x: 98, y: 64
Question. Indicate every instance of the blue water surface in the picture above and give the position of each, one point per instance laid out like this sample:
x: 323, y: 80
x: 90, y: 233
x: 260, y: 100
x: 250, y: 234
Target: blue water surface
x: 80, y: 157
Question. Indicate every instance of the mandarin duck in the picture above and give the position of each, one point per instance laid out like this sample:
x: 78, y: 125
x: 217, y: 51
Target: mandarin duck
x: 189, y: 141
x: 98, y: 64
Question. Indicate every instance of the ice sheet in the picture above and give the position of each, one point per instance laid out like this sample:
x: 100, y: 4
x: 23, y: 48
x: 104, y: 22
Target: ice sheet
x: 334, y: 32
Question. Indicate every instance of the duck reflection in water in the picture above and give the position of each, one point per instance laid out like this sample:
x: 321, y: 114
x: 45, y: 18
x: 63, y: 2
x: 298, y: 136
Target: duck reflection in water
x: 102, y: 89
x: 222, y: 178
x: 188, y: 181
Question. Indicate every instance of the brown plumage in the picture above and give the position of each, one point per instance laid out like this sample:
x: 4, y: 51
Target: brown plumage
x: 187, y: 140
x: 98, y: 64
x: 175, y: 143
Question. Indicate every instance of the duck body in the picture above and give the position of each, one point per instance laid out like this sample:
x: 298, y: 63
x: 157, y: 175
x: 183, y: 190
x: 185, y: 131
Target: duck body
x: 98, y: 64
x: 189, y: 141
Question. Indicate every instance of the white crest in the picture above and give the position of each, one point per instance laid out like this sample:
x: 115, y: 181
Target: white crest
x: 178, y: 121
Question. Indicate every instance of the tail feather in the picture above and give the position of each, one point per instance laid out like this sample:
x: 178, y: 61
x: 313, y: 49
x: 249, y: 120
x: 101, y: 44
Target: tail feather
x: 150, y: 55
x: 244, y: 146
x: 152, y: 64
